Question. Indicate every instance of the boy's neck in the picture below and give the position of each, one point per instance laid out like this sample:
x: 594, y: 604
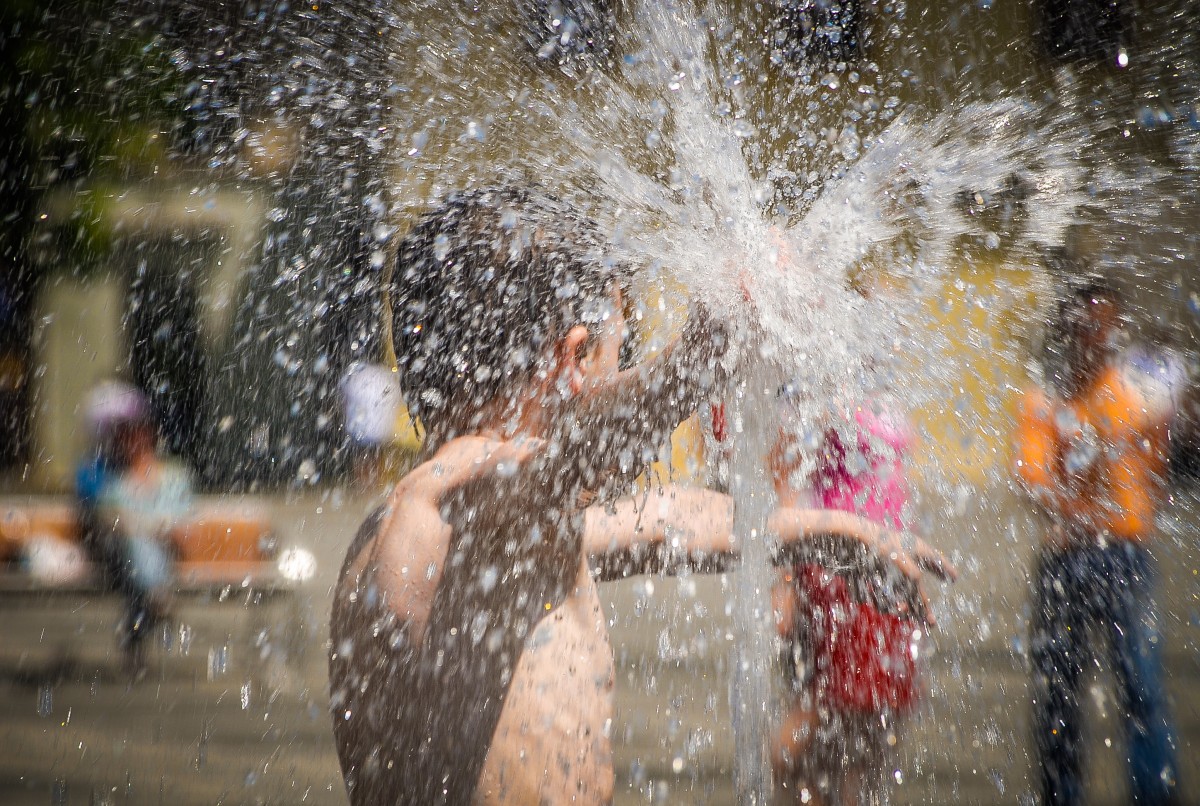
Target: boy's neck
x: 528, y: 415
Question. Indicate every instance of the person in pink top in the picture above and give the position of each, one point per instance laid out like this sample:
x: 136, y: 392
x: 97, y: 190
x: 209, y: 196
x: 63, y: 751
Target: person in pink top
x: 865, y: 476
x: 849, y: 652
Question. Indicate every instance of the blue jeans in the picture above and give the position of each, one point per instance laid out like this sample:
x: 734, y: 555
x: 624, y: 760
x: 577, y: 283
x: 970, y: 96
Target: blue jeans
x: 146, y: 571
x: 1106, y: 594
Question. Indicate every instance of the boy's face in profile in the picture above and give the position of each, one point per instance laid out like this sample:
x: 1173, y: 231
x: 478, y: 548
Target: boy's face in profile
x: 602, y: 359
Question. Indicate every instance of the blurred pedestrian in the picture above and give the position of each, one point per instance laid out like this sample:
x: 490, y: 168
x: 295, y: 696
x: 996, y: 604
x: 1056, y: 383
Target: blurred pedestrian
x: 106, y: 406
x: 1092, y: 454
x: 371, y: 396
x: 849, y: 656
x: 143, y: 497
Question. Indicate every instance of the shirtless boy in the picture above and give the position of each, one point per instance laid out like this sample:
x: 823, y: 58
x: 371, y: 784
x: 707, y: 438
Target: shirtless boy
x: 470, y: 658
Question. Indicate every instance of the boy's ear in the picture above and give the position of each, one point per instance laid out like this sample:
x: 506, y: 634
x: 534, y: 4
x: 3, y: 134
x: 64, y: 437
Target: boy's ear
x: 573, y: 358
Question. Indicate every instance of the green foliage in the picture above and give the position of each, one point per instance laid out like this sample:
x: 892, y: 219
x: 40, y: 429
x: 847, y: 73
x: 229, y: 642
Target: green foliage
x: 97, y: 98
x: 109, y: 107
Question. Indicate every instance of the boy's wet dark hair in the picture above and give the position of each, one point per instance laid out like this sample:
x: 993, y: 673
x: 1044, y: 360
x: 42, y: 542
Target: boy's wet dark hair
x: 482, y: 287
x: 1074, y: 309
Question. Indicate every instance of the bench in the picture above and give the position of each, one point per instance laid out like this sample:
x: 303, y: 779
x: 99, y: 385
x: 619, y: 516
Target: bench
x: 220, y: 546
x: 226, y: 558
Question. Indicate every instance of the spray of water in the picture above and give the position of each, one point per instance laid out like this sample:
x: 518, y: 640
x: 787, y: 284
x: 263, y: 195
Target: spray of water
x: 656, y: 148
x: 658, y: 142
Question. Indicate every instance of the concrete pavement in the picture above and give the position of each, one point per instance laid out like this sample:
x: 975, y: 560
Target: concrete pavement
x: 234, y: 709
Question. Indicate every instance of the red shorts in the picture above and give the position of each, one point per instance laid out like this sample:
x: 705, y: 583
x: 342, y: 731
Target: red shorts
x: 862, y: 659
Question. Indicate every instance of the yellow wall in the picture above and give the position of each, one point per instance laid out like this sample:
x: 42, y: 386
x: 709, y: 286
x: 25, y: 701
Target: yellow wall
x: 984, y: 317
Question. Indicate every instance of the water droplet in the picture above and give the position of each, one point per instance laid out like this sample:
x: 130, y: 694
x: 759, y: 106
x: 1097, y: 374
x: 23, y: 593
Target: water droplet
x: 45, y: 700
x: 307, y: 470
x: 487, y: 580
x: 218, y: 662
x: 743, y: 128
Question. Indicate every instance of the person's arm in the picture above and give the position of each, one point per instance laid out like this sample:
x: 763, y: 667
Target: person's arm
x: 665, y: 530
x: 173, y: 500
x: 615, y: 421
x: 673, y: 528
x: 806, y: 535
x: 1185, y: 425
x: 1035, y: 451
x: 112, y: 509
x: 893, y: 564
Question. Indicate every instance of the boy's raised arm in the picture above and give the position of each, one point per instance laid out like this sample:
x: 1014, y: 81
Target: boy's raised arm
x: 623, y: 418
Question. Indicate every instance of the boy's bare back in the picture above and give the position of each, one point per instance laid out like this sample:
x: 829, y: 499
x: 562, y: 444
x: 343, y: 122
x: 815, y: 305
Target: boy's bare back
x: 514, y: 683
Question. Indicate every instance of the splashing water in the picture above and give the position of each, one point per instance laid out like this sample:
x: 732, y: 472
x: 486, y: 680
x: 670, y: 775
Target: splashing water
x: 656, y: 152
x: 788, y: 289
x: 917, y: 178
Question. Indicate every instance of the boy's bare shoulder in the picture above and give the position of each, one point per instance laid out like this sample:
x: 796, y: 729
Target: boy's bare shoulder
x: 412, y: 535
x: 460, y: 462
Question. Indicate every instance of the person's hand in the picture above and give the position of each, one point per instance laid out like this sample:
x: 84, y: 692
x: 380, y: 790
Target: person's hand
x: 920, y: 558
x: 705, y: 342
x: 691, y: 363
x: 616, y: 418
x: 886, y: 568
x: 912, y: 558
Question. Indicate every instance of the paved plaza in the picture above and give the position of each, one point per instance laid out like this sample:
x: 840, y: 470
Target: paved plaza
x: 234, y: 708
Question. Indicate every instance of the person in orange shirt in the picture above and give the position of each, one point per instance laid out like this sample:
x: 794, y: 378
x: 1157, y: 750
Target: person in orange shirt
x: 1092, y: 454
